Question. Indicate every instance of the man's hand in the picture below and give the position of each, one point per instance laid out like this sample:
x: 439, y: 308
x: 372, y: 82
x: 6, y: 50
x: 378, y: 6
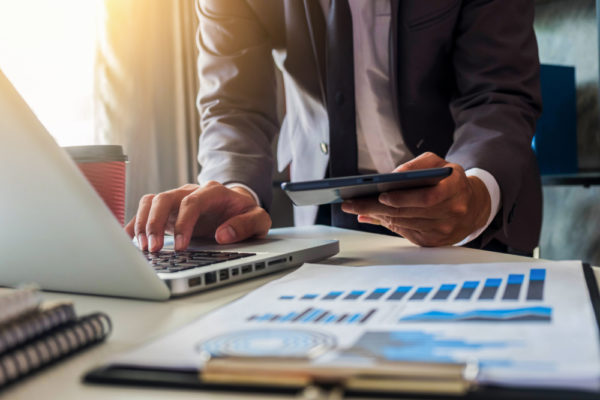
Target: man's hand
x: 228, y: 215
x: 439, y: 215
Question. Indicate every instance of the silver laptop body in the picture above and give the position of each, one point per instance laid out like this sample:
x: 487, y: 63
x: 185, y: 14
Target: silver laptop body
x: 55, y: 230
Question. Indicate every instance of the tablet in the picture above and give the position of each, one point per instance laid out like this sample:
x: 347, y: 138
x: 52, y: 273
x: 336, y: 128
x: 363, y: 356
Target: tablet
x: 336, y: 190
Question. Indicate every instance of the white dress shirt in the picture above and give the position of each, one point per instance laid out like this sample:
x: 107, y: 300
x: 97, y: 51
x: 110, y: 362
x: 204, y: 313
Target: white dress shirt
x: 381, y: 146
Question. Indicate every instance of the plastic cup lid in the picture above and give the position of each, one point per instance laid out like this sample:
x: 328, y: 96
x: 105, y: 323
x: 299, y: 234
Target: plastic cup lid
x: 96, y: 153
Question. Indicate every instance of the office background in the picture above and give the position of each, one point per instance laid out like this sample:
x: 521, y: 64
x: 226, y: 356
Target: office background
x: 140, y: 84
x: 567, y: 34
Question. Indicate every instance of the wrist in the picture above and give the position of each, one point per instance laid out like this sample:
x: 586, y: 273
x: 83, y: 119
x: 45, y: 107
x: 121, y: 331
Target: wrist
x: 481, y: 202
x: 244, y: 191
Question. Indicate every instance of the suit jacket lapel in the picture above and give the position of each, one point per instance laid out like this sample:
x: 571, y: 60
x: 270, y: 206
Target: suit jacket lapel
x: 393, y: 51
x: 307, y: 17
x: 316, y: 26
x: 305, y: 43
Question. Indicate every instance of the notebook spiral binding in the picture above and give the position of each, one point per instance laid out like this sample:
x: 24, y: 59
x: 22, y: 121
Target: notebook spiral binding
x: 19, y: 331
x: 55, y: 345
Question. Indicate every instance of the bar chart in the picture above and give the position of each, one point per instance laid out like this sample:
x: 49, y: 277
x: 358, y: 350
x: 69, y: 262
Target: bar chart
x: 315, y: 316
x: 510, y: 289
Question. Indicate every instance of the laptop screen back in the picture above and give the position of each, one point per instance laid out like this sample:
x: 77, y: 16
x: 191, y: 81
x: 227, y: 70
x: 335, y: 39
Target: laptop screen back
x: 56, y: 231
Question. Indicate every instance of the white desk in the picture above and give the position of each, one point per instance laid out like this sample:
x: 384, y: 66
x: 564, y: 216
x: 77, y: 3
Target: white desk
x: 136, y: 322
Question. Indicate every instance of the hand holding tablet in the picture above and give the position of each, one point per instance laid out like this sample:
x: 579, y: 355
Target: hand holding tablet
x: 336, y: 190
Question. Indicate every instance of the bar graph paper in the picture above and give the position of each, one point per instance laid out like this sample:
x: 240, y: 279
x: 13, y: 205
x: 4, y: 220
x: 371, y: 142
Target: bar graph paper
x: 510, y: 288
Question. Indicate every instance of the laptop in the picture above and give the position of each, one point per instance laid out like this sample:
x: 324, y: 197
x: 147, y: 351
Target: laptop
x: 55, y: 230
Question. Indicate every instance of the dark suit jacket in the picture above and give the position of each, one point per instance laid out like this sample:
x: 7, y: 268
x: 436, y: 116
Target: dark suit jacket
x: 466, y: 74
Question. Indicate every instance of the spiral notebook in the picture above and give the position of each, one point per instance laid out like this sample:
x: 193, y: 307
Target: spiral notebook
x: 34, y: 324
x: 34, y: 334
x: 57, y: 344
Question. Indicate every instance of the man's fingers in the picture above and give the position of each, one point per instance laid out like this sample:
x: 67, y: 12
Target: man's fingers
x: 424, y: 161
x: 414, y: 198
x: 438, y: 226
x: 427, y: 197
x: 140, y: 220
x: 363, y: 219
x: 372, y: 207
x: 427, y: 238
x: 130, y: 228
x: 255, y: 222
x: 163, y: 205
x: 423, y: 239
x: 200, y: 202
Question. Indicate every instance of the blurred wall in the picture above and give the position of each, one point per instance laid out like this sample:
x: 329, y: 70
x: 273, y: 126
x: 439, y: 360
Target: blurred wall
x: 567, y: 34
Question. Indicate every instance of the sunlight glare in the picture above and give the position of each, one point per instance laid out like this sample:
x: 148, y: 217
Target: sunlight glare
x: 47, y: 49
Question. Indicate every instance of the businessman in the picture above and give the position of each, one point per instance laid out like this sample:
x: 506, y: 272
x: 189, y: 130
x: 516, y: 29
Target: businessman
x: 370, y: 86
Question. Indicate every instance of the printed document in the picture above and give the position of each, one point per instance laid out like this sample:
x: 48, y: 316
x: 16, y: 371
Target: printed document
x: 525, y: 324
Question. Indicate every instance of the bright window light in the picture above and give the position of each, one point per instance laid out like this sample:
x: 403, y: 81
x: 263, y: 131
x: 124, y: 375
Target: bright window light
x: 47, y: 50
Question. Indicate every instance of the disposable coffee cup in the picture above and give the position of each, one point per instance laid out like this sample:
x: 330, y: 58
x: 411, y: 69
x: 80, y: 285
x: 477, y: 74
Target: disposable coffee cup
x: 104, y: 166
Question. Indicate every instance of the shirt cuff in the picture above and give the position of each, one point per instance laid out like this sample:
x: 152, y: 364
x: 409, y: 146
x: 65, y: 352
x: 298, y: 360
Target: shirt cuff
x: 252, y: 192
x: 494, y: 191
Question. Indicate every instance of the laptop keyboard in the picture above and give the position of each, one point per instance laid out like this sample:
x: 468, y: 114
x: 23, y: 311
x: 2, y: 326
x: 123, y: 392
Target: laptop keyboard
x: 175, y: 261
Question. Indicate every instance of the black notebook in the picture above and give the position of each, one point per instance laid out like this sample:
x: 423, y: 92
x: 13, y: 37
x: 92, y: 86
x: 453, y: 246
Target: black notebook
x: 34, y: 323
x: 34, y: 334
x: 52, y: 346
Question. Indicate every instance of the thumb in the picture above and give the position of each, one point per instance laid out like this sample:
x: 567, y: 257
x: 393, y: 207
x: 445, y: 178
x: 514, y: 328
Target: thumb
x: 255, y: 222
x: 424, y: 161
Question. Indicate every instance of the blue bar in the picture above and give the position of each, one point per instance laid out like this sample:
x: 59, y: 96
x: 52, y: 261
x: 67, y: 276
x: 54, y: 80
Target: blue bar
x: 266, y: 317
x: 309, y: 296
x: 513, y: 287
x: 302, y: 314
x: 467, y: 290
x: 311, y: 316
x: 537, y: 274
x: 332, y: 295
x: 470, y: 284
x: 535, y: 290
x: 490, y: 289
x: 286, y: 297
x: 342, y: 318
x: 331, y: 318
x: 421, y: 293
x: 354, y: 318
x: 355, y: 294
x: 493, y: 282
x: 515, y: 279
x: 444, y: 291
x: 288, y: 317
x: 399, y: 293
x: 377, y: 293
x: 448, y: 286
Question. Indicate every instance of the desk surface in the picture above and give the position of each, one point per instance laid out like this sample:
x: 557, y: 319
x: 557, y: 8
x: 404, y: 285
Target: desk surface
x: 136, y: 322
